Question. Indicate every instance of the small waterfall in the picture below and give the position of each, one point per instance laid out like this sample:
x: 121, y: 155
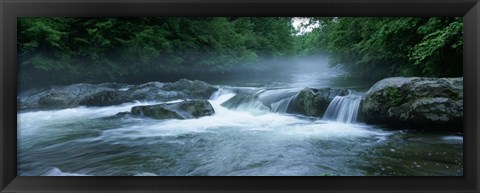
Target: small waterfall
x: 221, y: 92
x: 261, y: 100
x: 343, y: 108
x: 282, y: 105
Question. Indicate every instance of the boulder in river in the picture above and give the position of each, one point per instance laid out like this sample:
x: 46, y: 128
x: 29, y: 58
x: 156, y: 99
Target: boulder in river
x: 314, y: 102
x: 195, y: 89
x: 180, y: 110
x: 418, y: 103
x: 154, y: 91
x: 104, y: 98
x: 73, y: 95
x: 106, y: 94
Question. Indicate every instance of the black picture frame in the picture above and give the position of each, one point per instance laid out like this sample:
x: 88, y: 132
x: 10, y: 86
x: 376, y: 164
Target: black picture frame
x: 11, y: 9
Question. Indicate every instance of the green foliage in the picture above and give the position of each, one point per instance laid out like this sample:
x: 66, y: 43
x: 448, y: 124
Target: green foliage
x: 125, y: 49
x: 378, y: 47
x: 442, y: 38
x: 136, y: 49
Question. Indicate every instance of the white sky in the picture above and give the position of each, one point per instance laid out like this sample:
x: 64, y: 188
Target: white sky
x: 298, y: 21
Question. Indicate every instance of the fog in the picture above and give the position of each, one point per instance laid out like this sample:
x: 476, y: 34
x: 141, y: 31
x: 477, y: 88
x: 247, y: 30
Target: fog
x: 262, y: 70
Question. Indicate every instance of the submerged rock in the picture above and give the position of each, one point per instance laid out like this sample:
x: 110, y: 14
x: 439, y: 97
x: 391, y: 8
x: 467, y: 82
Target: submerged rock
x: 180, y: 110
x: 424, y: 103
x: 314, y: 102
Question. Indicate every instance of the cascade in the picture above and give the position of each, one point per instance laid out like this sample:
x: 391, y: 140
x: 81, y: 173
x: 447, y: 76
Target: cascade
x: 343, y: 108
x: 276, y: 100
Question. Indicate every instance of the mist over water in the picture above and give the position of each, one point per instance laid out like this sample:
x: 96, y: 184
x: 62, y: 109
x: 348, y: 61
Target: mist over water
x: 291, y: 72
x: 250, y: 134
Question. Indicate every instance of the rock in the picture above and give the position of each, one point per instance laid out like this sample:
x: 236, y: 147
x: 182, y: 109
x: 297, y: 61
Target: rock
x: 180, y: 110
x: 73, y: 95
x: 104, y: 98
x: 114, y: 85
x: 314, y: 102
x: 261, y: 100
x: 154, y: 91
x: 57, y: 96
x: 125, y: 113
x: 419, y: 103
x: 106, y: 94
x: 55, y: 99
x: 193, y: 89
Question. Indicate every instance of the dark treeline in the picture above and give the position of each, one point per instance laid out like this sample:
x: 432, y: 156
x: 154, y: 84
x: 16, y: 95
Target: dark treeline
x: 68, y: 50
x: 379, y: 47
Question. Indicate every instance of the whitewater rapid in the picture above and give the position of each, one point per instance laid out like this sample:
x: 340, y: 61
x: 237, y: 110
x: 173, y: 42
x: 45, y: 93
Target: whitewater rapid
x: 44, y: 122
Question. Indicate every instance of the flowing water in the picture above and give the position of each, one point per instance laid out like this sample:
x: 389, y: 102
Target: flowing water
x: 250, y: 134
x: 344, y: 108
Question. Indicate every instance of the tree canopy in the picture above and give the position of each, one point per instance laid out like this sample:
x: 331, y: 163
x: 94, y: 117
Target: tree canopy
x: 126, y: 49
x: 377, y: 47
x: 68, y: 50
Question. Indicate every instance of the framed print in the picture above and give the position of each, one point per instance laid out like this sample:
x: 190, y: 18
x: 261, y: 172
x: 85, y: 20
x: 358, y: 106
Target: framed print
x: 251, y: 96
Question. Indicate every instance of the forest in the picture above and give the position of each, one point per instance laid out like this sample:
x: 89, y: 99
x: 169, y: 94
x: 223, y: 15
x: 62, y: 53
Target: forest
x: 133, y: 50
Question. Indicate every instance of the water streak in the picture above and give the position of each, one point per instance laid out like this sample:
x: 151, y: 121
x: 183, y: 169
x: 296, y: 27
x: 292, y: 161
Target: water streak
x: 343, y: 108
x: 262, y: 101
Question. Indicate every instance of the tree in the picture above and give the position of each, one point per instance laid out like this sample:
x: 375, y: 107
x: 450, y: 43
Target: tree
x: 378, y: 47
x: 145, y: 49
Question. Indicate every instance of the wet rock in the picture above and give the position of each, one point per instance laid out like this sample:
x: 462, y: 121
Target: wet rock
x: 66, y: 96
x: 56, y: 99
x: 314, y: 102
x: 115, y: 85
x: 125, y: 113
x: 106, y: 94
x: 104, y: 98
x: 154, y: 91
x: 180, y: 110
x: 193, y: 89
x: 423, y: 103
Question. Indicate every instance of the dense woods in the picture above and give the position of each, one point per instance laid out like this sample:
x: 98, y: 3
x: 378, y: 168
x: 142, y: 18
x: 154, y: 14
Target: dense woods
x: 390, y: 46
x: 142, y: 49
x: 69, y: 50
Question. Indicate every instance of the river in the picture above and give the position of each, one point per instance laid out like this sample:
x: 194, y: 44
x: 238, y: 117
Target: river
x: 241, y: 139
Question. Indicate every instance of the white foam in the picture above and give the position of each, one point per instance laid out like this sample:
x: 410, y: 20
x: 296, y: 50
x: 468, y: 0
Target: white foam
x: 453, y: 138
x: 32, y: 121
x: 332, y: 130
x: 146, y: 174
x: 57, y: 172
x: 280, y: 125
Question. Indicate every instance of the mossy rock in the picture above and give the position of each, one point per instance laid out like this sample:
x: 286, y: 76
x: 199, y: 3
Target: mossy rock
x: 193, y: 89
x: 314, y: 102
x: 180, y: 110
x: 104, y: 98
x: 418, y: 103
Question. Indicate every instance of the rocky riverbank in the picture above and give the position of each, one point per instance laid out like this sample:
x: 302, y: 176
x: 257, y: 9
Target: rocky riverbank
x: 398, y: 102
